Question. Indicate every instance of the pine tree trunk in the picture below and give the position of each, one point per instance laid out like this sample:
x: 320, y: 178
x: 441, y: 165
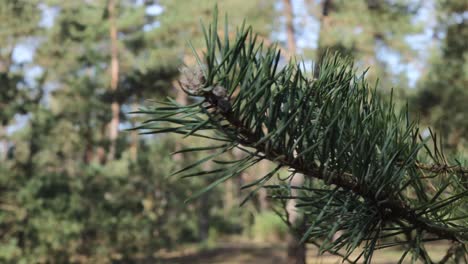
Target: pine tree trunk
x: 324, y: 24
x: 296, y: 250
x: 4, y: 143
x: 262, y: 193
x: 88, y: 154
x: 203, y: 218
x: 134, y: 137
x: 290, y: 32
x: 100, y: 153
x: 204, y: 210
x: 182, y: 99
x: 228, y: 196
x: 114, y: 71
x: 232, y: 187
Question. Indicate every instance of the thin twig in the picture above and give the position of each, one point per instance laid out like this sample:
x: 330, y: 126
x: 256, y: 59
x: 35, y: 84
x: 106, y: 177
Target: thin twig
x: 450, y: 252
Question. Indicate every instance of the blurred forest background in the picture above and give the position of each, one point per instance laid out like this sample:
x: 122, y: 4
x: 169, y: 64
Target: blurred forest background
x: 75, y: 186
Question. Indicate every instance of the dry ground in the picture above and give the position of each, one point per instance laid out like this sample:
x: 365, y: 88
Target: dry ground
x: 254, y: 253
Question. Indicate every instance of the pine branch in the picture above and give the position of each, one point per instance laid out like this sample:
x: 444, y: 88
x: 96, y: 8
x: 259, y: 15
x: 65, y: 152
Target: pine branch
x: 441, y: 168
x: 363, y: 157
x: 393, y: 208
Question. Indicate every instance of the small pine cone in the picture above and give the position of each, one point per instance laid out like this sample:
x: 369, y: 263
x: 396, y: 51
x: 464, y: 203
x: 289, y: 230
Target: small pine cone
x: 192, y: 80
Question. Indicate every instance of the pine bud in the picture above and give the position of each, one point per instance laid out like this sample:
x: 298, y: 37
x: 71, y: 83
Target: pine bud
x: 219, y: 91
x: 192, y: 80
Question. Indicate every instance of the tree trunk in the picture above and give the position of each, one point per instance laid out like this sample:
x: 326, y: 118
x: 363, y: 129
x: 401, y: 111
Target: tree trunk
x: 100, y: 155
x: 114, y: 71
x: 324, y: 24
x: 228, y: 196
x: 203, y: 217
x: 262, y: 193
x: 290, y: 32
x: 4, y: 143
x: 134, y: 138
x: 182, y: 99
x: 88, y: 154
x: 296, y: 250
x: 204, y: 209
x: 232, y: 187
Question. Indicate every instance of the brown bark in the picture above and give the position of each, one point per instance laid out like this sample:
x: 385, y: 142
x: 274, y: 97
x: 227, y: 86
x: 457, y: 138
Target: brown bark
x: 324, y: 25
x: 204, y: 211
x: 203, y: 218
x: 296, y: 250
x: 231, y: 188
x: 99, y: 155
x: 114, y: 72
x: 228, y: 196
x: 182, y: 99
x: 88, y: 153
x: 262, y: 193
x: 4, y: 143
x: 290, y: 32
x: 134, y: 138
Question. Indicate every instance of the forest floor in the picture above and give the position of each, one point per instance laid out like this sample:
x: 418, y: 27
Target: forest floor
x: 255, y: 253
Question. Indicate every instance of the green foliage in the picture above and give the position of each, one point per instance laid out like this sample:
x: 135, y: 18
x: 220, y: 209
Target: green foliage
x: 96, y: 212
x: 367, y: 157
x: 443, y: 92
x: 268, y: 227
x: 19, y: 20
x: 61, y: 201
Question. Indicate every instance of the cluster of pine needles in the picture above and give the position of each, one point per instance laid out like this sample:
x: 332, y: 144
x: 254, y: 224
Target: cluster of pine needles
x: 369, y: 174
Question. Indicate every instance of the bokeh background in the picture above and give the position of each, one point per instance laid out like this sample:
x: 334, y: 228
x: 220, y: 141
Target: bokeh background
x: 77, y: 187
